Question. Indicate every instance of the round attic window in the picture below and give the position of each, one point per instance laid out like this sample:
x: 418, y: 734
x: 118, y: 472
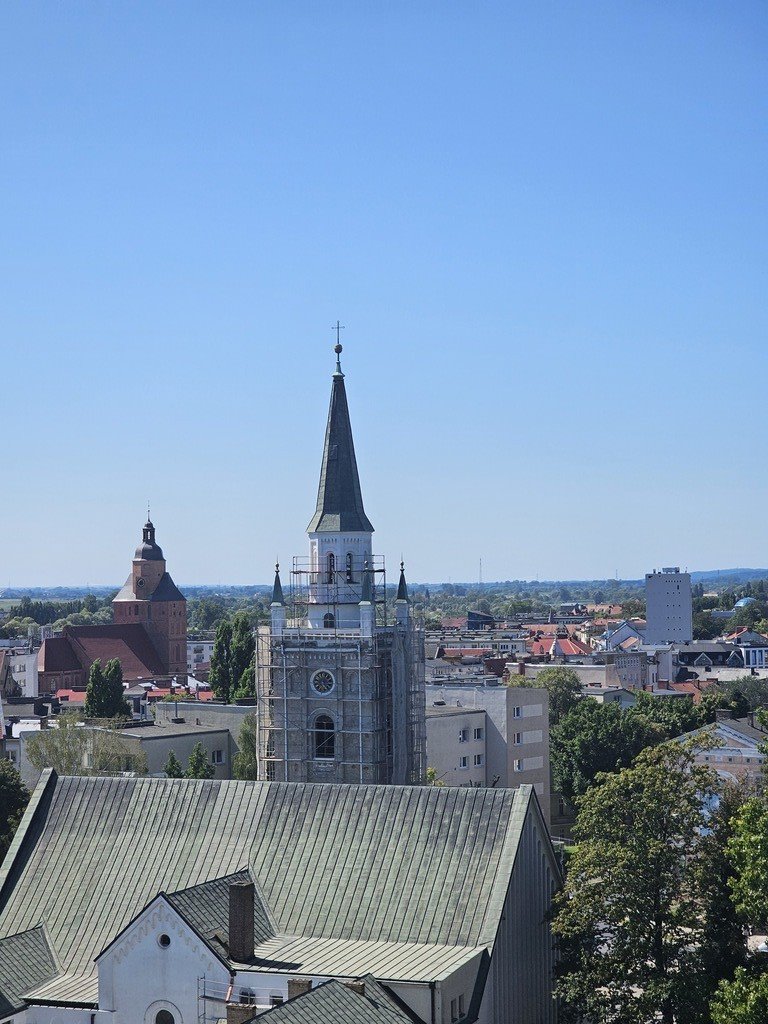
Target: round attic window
x: 164, y: 941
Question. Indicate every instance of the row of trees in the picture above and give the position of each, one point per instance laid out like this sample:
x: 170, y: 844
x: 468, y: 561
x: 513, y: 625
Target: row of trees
x: 232, y: 662
x: 669, y: 867
x: 669, y: 870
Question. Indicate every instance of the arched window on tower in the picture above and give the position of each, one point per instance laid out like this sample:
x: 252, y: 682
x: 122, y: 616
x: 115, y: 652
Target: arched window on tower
x: 331, y: 566
x: 329, y: 620
x: 350, y: 578
x: 324, y: 735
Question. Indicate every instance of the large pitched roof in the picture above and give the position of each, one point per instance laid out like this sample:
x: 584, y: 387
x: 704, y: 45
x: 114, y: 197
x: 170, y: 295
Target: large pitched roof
x: 385, y: 864
x: 129, y: 642
x: 336, y: 1003
x: 166, y: 590
x: 339, y: 498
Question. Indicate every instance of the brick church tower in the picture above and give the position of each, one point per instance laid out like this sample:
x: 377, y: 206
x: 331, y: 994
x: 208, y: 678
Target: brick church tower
x: 151, y: 599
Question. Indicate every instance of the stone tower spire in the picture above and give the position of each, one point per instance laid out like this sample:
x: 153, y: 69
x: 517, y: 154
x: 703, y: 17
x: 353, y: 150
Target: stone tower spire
x: 339, y: 497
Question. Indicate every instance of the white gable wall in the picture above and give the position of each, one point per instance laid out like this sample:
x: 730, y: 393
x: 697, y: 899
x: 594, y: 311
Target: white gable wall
x: 138, y: 976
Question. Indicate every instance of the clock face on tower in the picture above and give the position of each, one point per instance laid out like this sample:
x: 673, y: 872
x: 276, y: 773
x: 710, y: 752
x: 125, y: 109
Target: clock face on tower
x: 322, y: 682
x: 140, y: 583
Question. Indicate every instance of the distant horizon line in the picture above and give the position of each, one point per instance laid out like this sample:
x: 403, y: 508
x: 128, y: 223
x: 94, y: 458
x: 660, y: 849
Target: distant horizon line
x: 413, y: 583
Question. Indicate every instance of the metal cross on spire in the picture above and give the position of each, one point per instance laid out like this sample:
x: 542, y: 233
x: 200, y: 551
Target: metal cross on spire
x: 338, y: 327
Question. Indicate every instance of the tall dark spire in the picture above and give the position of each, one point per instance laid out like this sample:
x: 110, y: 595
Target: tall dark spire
x: 339, y: 498
x: 402, y: 588
x: 277, y: 589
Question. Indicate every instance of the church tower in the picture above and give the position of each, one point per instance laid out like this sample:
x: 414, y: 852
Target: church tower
x: 340, y: 672
x: 151, y: 598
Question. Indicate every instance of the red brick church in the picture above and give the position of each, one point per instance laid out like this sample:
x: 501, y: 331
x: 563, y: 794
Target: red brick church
x: 149, y: 635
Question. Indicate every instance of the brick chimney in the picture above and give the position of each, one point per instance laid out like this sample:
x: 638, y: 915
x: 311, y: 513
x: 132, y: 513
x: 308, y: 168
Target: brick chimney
x: 241, y: 938
x: 357, y: 985
x: 237, y: 1013
x: 298, y: 986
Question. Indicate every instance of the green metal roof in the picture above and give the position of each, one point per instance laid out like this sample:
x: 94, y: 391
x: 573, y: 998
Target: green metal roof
x: 206, y: 908
x: 26, y: 960
x: 347, y: 958
x: 397, y: 864
x: 336, y: 1003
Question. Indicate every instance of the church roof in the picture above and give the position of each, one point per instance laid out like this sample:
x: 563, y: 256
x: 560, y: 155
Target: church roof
x: 26, y: 961
x: 166, y: 590
x: 80, y: 646
x: 383, y: 864
x: 339, y: 498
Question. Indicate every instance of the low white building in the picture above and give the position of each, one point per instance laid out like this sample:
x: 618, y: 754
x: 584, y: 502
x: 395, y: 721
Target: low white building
x: 516, y: 732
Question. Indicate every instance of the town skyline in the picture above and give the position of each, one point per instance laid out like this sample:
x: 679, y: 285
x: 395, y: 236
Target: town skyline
x: 545, y: 242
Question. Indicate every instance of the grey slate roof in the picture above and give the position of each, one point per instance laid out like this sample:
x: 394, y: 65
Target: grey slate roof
x: 206, y: 907
x: 26, y: 960
x: 339, y: 498
x: 336, y: 1003
x: 375, y: 863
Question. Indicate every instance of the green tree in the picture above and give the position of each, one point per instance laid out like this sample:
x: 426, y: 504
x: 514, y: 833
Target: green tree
x: 220, y: 675
x: 104, y: 696
x: 748, y: 850
x: 673, y: 715
x: 96, y: 692
x: 172, y: 767
x: 744, y: 1000
x: 593, y: 738
x: 14, y: 797
x: 198, y: 766
x: 562, y: 686
x: 629, y: 920
x: 116, y: 704
x: 243, y: 649
x: 245, y: 764
x: 74, y: 749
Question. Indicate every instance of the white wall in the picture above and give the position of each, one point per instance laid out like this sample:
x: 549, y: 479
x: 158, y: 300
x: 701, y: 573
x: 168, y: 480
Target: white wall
x: 668, y: 607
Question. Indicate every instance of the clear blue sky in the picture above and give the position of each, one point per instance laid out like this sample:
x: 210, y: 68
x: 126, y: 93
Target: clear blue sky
x: 543, y: 224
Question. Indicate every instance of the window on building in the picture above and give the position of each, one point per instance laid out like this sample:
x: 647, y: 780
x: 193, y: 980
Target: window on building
x: 325, y: 738
x: 518, y: 765
x: 329, y: 620
x: 217, y: 757
x: 461, y: 1005
x: 463, y: 762
x: 164, y: 1017
x: 517, y: 738
x: 463, y: 735
x: 517, y: 712
x: 276, y: 1000
x: 477, y: 734
x: 454, y: 1009
x: 350, y: 577
x: 331, y: 562
x: 478, y: 760
x: 247, y: 996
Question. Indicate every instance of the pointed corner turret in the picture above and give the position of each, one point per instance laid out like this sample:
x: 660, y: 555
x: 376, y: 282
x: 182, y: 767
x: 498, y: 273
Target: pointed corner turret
x: 402, y: 587
x: 339, y: 497
x: 277, y: 588
x: 367, y: 590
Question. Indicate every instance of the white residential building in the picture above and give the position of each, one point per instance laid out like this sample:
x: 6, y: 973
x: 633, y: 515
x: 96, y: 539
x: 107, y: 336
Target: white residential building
x: 456, y: 744
x: 668, y: 607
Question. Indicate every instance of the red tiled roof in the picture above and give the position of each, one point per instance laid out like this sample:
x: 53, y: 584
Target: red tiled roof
x: 57, y: 655
x: 71, y: 696
x: 130, y: 643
